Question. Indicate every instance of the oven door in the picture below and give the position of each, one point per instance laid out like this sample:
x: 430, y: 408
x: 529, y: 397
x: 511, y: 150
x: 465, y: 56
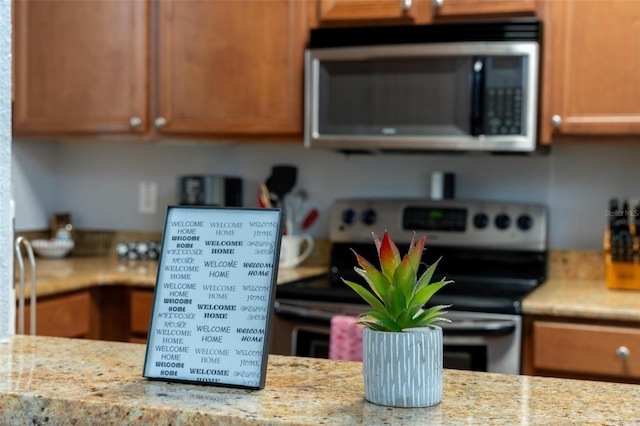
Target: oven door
x: 472, y: 341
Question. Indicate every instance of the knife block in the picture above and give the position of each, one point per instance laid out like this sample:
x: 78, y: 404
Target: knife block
x: 621, y: 275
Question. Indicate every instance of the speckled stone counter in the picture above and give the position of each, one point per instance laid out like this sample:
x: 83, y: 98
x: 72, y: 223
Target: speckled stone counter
x: 589, y: 299
x: 45, y: 380
x: 55, y: 276
x: 577, y: 288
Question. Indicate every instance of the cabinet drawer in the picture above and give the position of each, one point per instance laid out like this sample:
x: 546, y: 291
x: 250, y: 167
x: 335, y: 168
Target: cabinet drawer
x: 141, y: 306
x: 61, y: 316
x: 587, y: 349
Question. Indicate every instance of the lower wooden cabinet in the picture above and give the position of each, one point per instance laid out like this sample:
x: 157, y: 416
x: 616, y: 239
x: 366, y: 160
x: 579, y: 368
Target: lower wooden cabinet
x: 582, y: 349
x: 141, y: 306
x: 108, y: 312
x: 66, y: 315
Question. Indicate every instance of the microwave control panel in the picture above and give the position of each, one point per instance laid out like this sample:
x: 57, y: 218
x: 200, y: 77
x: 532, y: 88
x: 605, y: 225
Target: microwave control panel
x: 503, y: 95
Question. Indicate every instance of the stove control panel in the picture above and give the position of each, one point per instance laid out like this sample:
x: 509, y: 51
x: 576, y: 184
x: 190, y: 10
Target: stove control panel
x: 444, y: 222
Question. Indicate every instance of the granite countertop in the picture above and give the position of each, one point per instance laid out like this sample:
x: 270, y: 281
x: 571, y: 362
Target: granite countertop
x: 577, y: 288
x: 588, y: 299
x: 55, y: 276
x: 47, y: 380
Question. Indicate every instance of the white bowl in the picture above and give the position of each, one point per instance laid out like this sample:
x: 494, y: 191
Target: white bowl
x: 52, y: 248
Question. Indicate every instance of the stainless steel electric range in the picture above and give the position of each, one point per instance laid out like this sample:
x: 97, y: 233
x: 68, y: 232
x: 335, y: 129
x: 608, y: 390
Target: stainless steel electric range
x: 496, y: 252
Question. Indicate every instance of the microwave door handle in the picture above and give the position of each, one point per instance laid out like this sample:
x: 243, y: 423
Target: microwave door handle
x: 477, y: 95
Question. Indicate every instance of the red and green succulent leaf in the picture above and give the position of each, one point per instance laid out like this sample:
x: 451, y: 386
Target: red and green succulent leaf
x: 366, y: 295
x: 372, y: 315
x: 395, y: 302
x: 390, y: 325
x: 379, y: 289
x: 406, y: 318
x: 380, y: 321
x: 375, y: 326
x: 377, y: 242
x: 425, y: 279
x: 371, y: 325
x: 395, y: 294
x: 431, y: 315
x: 376, y: 280
x: 404, y: 277
x: 423, y: 295
x: 415, y: 251
x: 389, y: 256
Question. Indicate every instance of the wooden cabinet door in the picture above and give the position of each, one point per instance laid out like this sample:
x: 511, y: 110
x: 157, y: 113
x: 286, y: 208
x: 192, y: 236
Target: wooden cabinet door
x: 80, y: 66
x: 482, y: 7
x: 417, y: 11
x: 592, y: 68
x: 141, y: 308
x: 231, y: 67
x: 61, y: 316
x: 353, y: 10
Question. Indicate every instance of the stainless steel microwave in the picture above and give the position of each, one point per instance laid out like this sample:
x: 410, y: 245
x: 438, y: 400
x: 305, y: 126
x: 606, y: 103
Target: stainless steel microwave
x: 445, y: 87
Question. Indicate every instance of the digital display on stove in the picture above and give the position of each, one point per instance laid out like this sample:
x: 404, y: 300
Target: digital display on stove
x: 434, y: 219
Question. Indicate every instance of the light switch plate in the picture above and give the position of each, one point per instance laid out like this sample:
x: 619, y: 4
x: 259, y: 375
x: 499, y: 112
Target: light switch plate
x: 148, y: 198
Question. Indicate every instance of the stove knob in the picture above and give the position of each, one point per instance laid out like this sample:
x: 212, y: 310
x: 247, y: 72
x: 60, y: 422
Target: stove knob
x: 369, y: 216
x: 349, y: 216
x: 503, y: 221
x: 525, y: 222
x: 480, y: 220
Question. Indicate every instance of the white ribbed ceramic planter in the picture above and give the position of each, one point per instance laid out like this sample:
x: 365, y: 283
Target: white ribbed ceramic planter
x: 403, y: 369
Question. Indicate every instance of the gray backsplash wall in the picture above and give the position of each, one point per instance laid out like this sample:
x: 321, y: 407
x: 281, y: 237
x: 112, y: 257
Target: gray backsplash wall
x: 98, y: 182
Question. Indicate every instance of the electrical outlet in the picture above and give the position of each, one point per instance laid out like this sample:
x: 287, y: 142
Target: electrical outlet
x: 148, y: 197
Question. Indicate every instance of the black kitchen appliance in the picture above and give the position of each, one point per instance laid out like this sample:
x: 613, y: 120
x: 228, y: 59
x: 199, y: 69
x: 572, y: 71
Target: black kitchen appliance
x: 495, y: 252
x: 210, y: 190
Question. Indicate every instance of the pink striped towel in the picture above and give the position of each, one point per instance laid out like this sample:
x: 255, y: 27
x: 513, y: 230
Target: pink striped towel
x: 345, y: 340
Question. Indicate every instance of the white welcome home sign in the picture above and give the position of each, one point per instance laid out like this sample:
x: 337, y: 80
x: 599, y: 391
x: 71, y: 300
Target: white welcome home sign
x: 214, y: 296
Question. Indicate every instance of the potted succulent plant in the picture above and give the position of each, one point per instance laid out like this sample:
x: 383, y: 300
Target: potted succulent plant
x: 402, y: 348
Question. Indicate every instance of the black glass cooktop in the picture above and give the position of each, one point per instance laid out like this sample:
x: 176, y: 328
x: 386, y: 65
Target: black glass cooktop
x: 324, y: 289
x: 486, y: 281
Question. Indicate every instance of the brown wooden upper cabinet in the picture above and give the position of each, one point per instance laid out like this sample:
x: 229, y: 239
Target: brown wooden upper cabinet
x: 415, y: 11
x: 81, y: 67
x: 592, y: 68
x: 229, y: 67
x: 355, y: 10
x: 202, y: 68
x: 444, y: 8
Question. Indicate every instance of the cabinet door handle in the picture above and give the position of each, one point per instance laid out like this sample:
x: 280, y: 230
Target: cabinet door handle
x: 623, y: 352
x: 437, y: 3
x: 160, y: 122
x: 556, y: 120
x: 406, y: 4
x: 135, y: 122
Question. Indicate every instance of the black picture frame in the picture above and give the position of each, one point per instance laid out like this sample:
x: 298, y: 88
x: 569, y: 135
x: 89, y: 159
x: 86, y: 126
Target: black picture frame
x: 214, y: 295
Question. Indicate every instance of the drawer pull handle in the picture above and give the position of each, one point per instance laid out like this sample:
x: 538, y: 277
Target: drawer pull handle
x: 623, y: 352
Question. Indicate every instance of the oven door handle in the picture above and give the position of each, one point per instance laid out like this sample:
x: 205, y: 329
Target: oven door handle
x: 464, y: 328
x: 480, y: 328
x: 300, y: 312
